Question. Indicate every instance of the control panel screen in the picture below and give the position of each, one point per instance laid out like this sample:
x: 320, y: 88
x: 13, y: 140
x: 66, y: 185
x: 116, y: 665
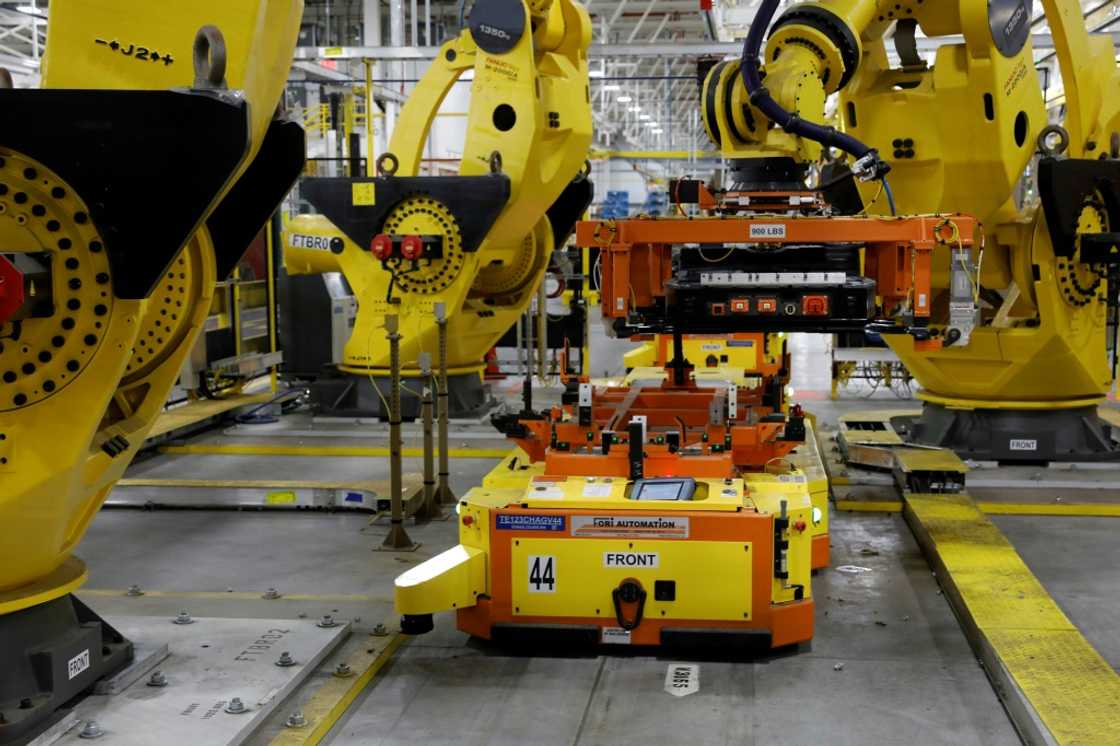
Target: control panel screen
x: 664, y: 489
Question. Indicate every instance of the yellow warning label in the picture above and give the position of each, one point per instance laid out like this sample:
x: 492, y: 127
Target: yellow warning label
x: 333, y: 52
x: 280, y: 498
x: 364, y: 195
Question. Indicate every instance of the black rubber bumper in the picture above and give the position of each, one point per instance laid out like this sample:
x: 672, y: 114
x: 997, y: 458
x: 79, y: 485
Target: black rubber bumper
x: 417, y: 624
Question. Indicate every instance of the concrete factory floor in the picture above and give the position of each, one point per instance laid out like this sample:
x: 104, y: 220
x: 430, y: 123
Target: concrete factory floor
x: 888, y: 664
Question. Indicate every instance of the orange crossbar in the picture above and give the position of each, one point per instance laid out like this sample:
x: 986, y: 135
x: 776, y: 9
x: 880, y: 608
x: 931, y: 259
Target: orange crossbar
x: 921, y: 229
x: 637, y: 253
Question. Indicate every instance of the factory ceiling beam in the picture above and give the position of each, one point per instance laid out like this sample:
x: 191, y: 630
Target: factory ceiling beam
x: 638, y: 25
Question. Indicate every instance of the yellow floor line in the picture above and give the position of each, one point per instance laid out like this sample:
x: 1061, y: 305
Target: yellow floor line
x: 1092, y: 510
x: 321, y: 451
x: 335, y: 695
x: 1055, y: 684
x: 369, y: 485
x: 1095, y: 510
x: 870, y: 506
x: 240, y: 595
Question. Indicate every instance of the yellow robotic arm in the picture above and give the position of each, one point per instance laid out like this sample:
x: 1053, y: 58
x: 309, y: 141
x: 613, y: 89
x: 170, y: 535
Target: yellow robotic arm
x: 479, y: 242
x: 777, y: 108
x: 961, y: 135
x: 128, y: 186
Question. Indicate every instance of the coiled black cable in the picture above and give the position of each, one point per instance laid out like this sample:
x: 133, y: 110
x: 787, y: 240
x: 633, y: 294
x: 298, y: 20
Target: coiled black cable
x: 761, y: 99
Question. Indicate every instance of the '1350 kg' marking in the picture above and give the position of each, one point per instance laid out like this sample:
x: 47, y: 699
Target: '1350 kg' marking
x: 262, y: 645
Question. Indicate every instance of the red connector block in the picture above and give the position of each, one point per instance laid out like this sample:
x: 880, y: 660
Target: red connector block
x: 381, y: 247
x: 11, y: 289
x: 412, y: 248
x: 814, y: 305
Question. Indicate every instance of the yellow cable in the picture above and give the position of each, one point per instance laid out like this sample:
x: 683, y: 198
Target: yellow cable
x: 974, y: 283
x: 716, y: 261
x: 369, y: 356
x: 980, y: 261
x: 868, y: 206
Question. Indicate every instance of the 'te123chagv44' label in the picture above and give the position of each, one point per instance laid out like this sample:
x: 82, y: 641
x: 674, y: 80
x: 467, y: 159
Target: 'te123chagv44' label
x: 506, y: 522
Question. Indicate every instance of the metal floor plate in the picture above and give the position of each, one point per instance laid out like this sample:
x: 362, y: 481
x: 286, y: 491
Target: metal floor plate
x: 366, y: 495
x: 212, y: 661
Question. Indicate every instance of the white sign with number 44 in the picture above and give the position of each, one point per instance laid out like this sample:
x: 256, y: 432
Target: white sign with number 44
x: 542, y: 573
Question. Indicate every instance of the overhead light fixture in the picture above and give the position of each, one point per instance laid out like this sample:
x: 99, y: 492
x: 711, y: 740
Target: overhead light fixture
x: 29, y: 9
x: 624, y: 99
x: 596, y: 74
x: 612, y: 87
x: 635, y: 109
x: 645, y: 117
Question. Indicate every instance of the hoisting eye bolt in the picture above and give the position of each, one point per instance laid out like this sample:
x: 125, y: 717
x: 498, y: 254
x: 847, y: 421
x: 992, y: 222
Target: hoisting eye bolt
x: 387, y: 164
x: 1053, y: 140
x: 210, y: 59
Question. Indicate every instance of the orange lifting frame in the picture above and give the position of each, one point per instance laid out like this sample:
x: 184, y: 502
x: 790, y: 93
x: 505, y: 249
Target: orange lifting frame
x: 637, y: 253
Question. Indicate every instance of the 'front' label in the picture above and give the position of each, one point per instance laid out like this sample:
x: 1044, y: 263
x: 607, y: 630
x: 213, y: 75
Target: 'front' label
x: 77, y: 664
x: 630, y: 559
